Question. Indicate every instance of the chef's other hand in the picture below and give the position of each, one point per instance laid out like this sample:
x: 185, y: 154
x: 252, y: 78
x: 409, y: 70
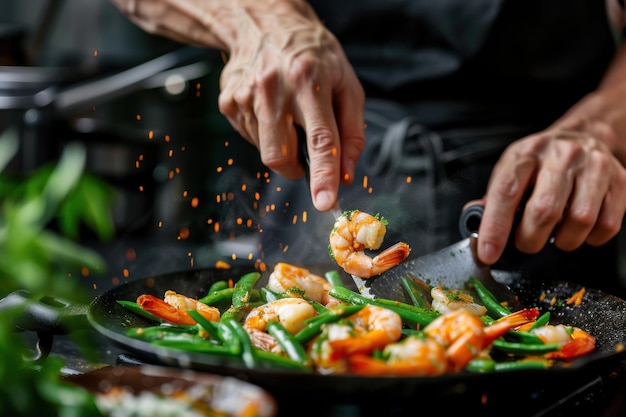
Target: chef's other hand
x: 577, y: 194
x: 286, y: 68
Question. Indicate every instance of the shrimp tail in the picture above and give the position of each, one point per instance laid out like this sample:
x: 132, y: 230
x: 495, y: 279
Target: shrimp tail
x: 366, y: 365
x: 164, y: 310
x: 511, y: 321
x: 581, y: 344
x: 391, y: 257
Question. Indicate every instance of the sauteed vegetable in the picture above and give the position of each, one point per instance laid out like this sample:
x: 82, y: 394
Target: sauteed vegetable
x: 305, y: 322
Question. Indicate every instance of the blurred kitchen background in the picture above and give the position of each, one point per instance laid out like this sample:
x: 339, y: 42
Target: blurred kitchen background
x: 146, y: 110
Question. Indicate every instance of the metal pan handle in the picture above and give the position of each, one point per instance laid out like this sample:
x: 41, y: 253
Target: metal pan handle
x: 46, y: 316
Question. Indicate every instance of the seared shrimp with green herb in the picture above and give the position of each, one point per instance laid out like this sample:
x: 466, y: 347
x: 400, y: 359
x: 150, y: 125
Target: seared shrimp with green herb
x: 353, y: 233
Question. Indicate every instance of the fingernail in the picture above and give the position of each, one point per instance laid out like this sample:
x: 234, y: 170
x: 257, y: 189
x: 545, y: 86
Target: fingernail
x: 489, y: 253
x: 349, y: 172
x: 324, y: 200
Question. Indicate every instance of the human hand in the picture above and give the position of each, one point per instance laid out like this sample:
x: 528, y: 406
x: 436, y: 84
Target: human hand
x: 577, y: 195
x: 286, y: 68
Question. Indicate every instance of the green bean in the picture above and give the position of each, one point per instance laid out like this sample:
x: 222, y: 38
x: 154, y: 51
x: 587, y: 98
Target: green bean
x: 334, y: 278
x: 207, y: 325
x: 289, y: 344
x: 243, y: 289
x: 236, y: 313
x: 265, y: 359
x: 153, y: 333
x: 488, y: 299
x: 269, y: 296
x: 218, y: 286
x: 228, y: 338
x: 247, y: 351
x: 521, y: 365
x: 203, y: 346
x: 136, y: 308
x: 415, y: 292
x: 408, y: 313
x: 332, y: 315
x: 523, y: 337
x: 412, y: 332
x: 481, y: 365
x: 272, y: 360
x: 221, y: 297
x: 541, y: 320
x: 524, y: 348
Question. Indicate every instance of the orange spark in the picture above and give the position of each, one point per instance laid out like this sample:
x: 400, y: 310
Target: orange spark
x: 130, y: 254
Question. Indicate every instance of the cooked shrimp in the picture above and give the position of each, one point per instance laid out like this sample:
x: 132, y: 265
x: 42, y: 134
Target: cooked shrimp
x: 574, y: 341
x: 446, y: 300
x: 286, y: 276
x: 290, y: 312
x: 372, y: 328
x: 464, y: 336
x: 356, y: 231
x: 414, y: 355
x: 262, y: 340
x: 173, y: 308
x: 369, y: 329
x: 321, y: 352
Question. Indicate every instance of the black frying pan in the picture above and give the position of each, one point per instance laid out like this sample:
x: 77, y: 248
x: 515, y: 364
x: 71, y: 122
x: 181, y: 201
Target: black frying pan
x: 603, y: 315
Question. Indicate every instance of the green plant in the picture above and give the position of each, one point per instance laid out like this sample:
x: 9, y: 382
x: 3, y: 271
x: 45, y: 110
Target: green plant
x: 41, y: 216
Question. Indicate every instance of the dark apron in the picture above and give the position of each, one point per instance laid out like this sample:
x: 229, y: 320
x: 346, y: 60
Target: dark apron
x: 450, y: 84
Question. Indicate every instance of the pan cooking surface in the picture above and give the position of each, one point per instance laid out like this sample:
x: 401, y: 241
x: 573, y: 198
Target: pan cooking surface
x: 602, y: 315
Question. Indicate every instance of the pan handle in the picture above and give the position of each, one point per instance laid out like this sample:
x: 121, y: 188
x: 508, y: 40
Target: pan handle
x: 46, y: 316
x: 470, y: 220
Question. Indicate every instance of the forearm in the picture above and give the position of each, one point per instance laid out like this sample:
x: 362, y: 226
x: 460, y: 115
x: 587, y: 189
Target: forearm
x: 218, y: 24
x: 602, y: 113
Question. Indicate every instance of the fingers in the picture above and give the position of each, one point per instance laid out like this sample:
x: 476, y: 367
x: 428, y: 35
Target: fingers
x: 349, y: 109
x: 585, y: 203
x: 570, y: 187
x: 510, y: 179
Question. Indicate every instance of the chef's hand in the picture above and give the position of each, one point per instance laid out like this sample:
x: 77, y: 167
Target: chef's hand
x: 286, y: 68
x: 576, y: 187
x: 283, y: 68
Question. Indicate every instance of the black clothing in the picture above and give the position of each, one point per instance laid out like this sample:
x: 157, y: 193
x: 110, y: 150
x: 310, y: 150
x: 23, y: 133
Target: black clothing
x: 449, y: 84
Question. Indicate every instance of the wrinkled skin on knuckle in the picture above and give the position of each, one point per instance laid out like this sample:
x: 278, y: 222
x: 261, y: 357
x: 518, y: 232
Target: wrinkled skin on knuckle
x: 275, y: 160
x: 583, y: 217
x: 227, y: 105
x: 544, y: 210
x: 507, y: 187
x: 321, y: 140
x: 607, y: 226
x: 302, y: 69
x: 266, y: 81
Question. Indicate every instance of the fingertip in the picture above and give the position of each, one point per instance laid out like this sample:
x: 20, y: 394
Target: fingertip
x: 488, y: 253
x: 324, y: 200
